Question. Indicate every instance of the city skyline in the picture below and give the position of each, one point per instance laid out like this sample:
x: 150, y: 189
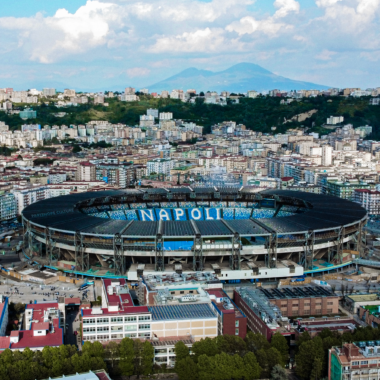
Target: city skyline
x: 100, y: 44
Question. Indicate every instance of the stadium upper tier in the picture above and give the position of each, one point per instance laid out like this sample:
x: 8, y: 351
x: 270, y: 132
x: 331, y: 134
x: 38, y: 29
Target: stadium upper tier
x: 176, y: 212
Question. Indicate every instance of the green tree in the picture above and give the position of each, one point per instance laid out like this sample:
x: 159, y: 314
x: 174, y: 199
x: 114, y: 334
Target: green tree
x: 305, y: 359
x: 76, y: 148
x: 147, y: 355
x: 251, y: 367
x: 127, y: 356
x: 181, y: 351
x: 112, y: 352
x: 316, y: 372
x: 256, y: 342
x: 305, y: 336
x: 230, y: 344
x: 186, y: 369
x: 206, y: 347
x: 95, y: 349
x: 267, y: 359
x: 279, y: 343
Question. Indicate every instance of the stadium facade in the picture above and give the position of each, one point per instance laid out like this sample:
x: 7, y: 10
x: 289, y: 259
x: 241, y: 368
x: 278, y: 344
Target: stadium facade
x: 236, y: 233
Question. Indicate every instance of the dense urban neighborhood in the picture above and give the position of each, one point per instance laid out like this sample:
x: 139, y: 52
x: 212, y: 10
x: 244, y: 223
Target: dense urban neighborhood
x: 190, y: 234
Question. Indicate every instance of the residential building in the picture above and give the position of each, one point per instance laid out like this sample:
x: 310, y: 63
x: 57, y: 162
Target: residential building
x: 333, y: 120
x: 130, y: 91
x: 369, y: 199
x: 41, y: 328
x: 8, y: 206
x: 86, y: 171
x: 25, y: 195
x: 69, y: 93
x: 346, y: 190
x: 359, y: 360
x: 160, y: 166
x: 28, y: 113
x: 118, y: 317
x: 48, y: 92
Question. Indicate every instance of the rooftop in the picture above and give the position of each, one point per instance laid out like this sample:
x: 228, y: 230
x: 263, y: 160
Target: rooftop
x: 175, y: 312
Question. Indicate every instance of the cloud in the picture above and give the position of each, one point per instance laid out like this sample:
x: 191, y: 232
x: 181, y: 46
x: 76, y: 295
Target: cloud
x: 168, y: 35
x: 325, y: 55
x: 138, y: 72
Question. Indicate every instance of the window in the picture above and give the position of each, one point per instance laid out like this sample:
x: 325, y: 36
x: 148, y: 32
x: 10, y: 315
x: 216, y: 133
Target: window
x: 364, y: 362
x: 294, y: 312
x: 117, y: 320
x: 330, y: 303
x: 117, y: 336
x: 130, y: 335
x: 306, y: 312
x: 161, y: 351
x: 89, y: 321
x: 144, y: 318
x: 373, y: 362
x: 144, y: 327
x: 88, y: 330
x: 181, y: 292
x: 191, y: 291
x: 329, y: 311
x: 100, y: 321
x: 116, y: 328
x: 130, y: 327
x: 236, y: 323
x: 144, y: 335
x: 318, y: 311
x: 103, y: 328
x: 103, y: 337
x: 130, y: 319
x: 236, y: 331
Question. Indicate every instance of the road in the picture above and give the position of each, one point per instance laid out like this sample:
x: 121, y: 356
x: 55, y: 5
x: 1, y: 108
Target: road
x: 73, y: 324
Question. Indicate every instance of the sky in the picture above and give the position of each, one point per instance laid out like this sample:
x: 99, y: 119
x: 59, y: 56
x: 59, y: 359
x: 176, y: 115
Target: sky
x: 111, y: 44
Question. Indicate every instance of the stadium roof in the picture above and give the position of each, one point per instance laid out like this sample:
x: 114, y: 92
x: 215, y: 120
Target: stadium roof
x: 322, y: 212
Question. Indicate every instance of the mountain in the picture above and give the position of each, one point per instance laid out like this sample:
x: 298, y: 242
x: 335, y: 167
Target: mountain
x: 238, y: 78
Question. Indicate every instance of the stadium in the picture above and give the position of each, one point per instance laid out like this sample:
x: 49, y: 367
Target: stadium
x: 237, y: 233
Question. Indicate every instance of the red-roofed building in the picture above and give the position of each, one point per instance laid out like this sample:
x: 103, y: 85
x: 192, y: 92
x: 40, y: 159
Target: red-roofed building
x: 231, y: 319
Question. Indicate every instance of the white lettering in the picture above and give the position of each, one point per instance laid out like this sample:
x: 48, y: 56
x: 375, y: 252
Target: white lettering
x: 146, y: 215
x: 218, y: 213
x: 208, y: 216
x: 178, y: 212
x: 196, y: 211
x: 163, y: 215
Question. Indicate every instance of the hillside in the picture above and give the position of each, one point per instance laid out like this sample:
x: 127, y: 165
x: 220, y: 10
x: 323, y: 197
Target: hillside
x: 257, y: 114
x: 238, y: 78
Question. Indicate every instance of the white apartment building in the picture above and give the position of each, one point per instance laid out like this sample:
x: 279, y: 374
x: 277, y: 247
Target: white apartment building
x: 166, y: 115
x: 86, y: 172
x: 160, y: 166
x: 152, y: 112
x: 48, y: 92
x: 327, y: 155
x: 25, y: 196
x: 129, y: 91
x: 177, y: 94
x: 129, y: 98
x: 332, y: 120
x: 369, y: 199
x: 8, y: 207
x: 55, y: 178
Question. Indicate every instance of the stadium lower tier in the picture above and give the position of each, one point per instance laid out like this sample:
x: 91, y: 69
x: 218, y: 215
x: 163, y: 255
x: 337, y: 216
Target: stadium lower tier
x: 272, y: 234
